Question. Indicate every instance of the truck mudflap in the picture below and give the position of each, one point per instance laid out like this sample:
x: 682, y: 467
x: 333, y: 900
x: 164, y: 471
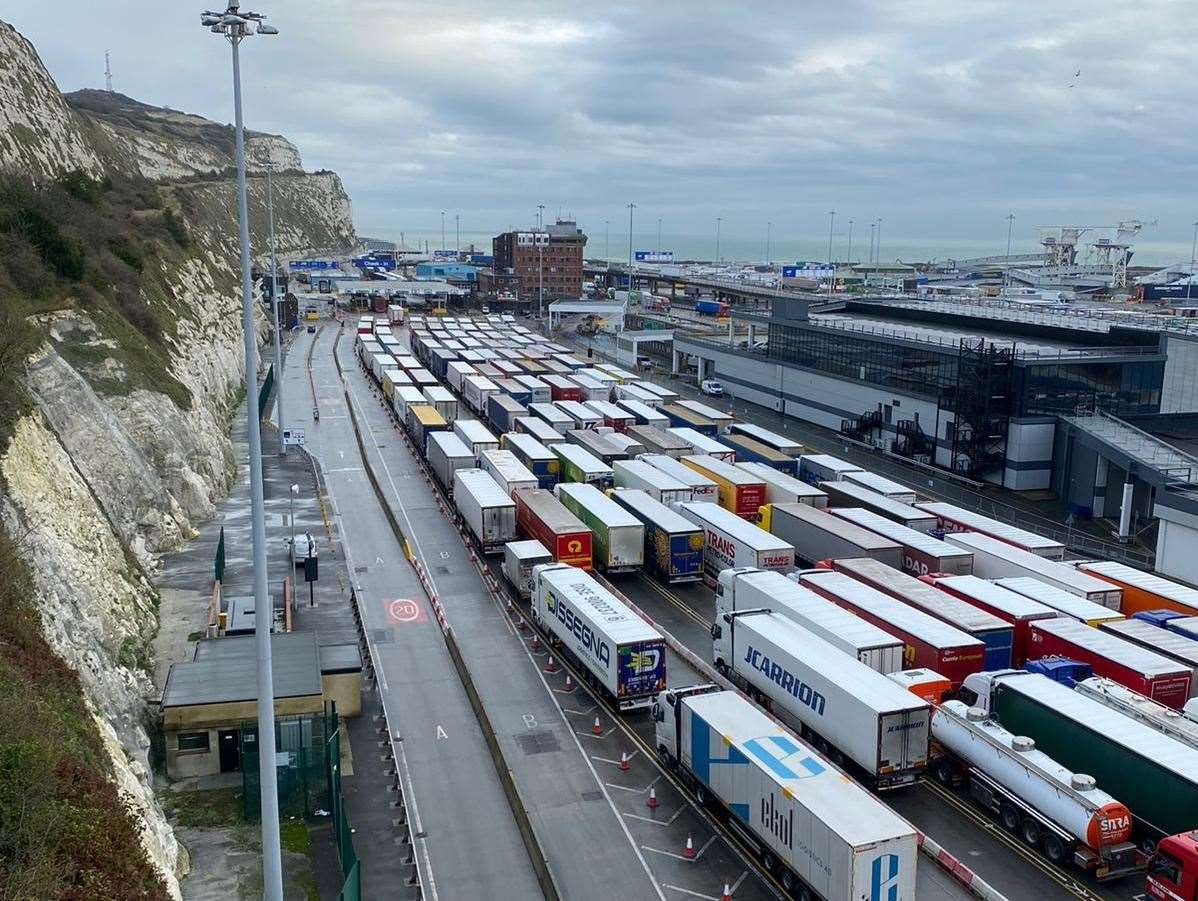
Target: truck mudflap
x: 1124, y: 859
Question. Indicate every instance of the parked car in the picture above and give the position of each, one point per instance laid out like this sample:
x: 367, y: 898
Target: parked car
x: 712, y: 388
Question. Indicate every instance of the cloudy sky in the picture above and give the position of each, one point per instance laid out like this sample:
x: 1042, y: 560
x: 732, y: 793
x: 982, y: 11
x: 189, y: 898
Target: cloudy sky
x: 941, y: 116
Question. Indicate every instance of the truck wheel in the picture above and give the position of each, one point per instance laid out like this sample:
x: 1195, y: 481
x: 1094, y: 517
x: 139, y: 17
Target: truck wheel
x: 1054, y: 848
x: 1010, y: 817
x: 1031, y: 832
x: 787, y: 879
x: 944, y: 772
x: 768, y: 861
x: 701, y: 795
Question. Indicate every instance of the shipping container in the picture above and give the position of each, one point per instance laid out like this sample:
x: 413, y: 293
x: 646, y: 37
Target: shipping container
x: 478, y: 391
x: 722, y: 419
x: 1060, y: 600
x: 538, y: 391
x: 420, y: 420
x: 673, y: 544
x: 541, y: 516
x: 580, y: 465
x: 583, y: 416
x: 704, y: 444
x: 881, y: 729
x: 828, y: 833
x: 403, y: 397
x: 816, y: 468
x: 1007, y: 605
x: 881, y: 485
x: 446, y: 454
x: 922, y: 554
x: 618, y: 543
x: 930, y: 642
x: 739, y: 492
x: 667, y: 395
x: 817, y: 535
x: 783, y: 489
x: 659, y: 441
x: 487, y: 510
x: 540, y: 460
x: 1142, y: 590
x: 625, y: 655
x: 614, y: 417
x: 729, y: 541
x: 950, y: 518
x: 504, y: 467
x: 1181, y: 650
x: 995, y: 559
x: 556, y: 418
x: 643, y: 413
x: 442, y: 401
x: 1108, y: 655
x: 849, y: 494
x: 702, y: 488
x: 475, y: 435
x: 1154, y: 775
x: 748, y: 450
x: 640, y: 475
x: 539, y: 429
x: 682, y: 417
x: 748, y: 588
x: 502, y: 410
x: 996, y: 634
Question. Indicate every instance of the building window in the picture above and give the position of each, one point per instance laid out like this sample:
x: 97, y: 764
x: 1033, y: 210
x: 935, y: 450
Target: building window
x: 193, y: 741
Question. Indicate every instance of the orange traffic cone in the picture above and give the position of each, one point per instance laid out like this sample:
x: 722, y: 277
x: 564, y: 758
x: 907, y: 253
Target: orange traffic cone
x: 550, y: 666
x: 624, y: 765
x: 569, y: 683
x: 689, y: 851
x: 536, y: 641
x: 652, y: 802
x: 727, y: 896
x: 597, y: 729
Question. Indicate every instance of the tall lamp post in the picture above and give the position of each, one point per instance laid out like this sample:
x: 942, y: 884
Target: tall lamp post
x: 1193, y: 248
x: 768, y: 227
x: 848, y: 257
x: 235, y: 25
x: 274, y: 309
x: 832, y: 280
x: 718, y: 220
x: 540, y: 262
x: 1006, y: 270
x: 659, y: 236
x: 607, y: 240
x: 457, y: 232
x: 631, y: 207
x: 442, y: 229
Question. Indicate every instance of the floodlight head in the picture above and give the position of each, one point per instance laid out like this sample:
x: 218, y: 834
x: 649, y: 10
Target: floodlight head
x: 232, y: 19
x: 263, y: 28
x: 209, y: 19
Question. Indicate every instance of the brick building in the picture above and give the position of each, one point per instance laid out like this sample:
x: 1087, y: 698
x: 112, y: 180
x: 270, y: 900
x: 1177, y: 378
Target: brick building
x: 556, y: 249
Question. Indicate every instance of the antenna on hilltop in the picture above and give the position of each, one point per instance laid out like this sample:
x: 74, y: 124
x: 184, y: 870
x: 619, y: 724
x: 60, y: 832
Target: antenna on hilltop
x: 107, y: 72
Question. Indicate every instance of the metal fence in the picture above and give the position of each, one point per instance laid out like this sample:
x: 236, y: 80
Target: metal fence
x: 264, y: 391
x: 301, y: 743
x: 351, y: 871
x: 218, y: 566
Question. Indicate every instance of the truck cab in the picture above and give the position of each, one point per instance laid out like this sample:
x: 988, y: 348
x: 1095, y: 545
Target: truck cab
x: 667, y: 718
x: 1173, y: 869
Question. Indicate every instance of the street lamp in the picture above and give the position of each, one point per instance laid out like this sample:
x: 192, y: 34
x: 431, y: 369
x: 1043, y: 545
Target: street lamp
x: 878, y: 246
x: 1006, y: 271
x: 848, y: 257
x: 872, y: 226
x: 235, y: 25
x: 442, y: 229
x: 832, y: 280
x: 631, y: 207
x: 768, y: 257
x: 607, y: 240
x: 540, y: 262
x: 457, y: 232
x: 659, y: 236
x: 718, y: 258
x: 274, y: 309
x: 1193, y: 248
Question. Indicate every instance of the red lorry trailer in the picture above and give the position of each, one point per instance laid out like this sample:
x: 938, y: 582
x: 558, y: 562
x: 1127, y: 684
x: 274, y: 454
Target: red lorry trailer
x: 542, y: 517
x: 1007, y: 605
x: 1165, y: 681
x: 930, y: 643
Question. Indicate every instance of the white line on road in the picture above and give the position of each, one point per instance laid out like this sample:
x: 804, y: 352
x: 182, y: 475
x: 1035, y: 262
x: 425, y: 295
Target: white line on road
x: 687, y: 891
x: 669, y: 822
x: 698, y: 853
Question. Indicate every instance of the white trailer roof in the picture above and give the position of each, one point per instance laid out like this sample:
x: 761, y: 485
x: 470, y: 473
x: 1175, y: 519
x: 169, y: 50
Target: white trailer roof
x: 1113, y: 725
x: 580, y: 457
x: 550, y: 412
x: 827, y: 461
x: 660, y: 391
x: 729, y: 472
x: 620, y: 624
x: 1076, y: 580
x: 482, y: 383
x: 765, y: 436
x: 410, y: 394
x: 528, y: 445
x: 679, y: 471
x: 655, y: 511
x: 451, y: 445
x: 641, y: 410
x: 586, y: 382
x: 484, y: 488
x: 1112, y: 647
x: 474, y: 431
x: 508, y: 465
x: 438, y: 394
x: 847, y: 809
x: 598, y: 503
x: 1009, y: 602
x: 651, y: 474
x: 980, y: 523
x: 1058, y: 599
x: 846, y: 625
x: 609, y: 410
x: 868, y: 686
x: 725, y: 521
x: 779, y: 479
x: 1137, y: 578
x: 896, y: 531
x: 577, y: 410
x: 935, y: 632
x: 703, y: 444
x: 880, y: 484
x: 1142, y: 633
x: 706, y: 411
x: 842, y: 528
x: 872, y: 499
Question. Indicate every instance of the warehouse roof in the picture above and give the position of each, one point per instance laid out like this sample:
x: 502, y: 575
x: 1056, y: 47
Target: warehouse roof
x: 224, y: 670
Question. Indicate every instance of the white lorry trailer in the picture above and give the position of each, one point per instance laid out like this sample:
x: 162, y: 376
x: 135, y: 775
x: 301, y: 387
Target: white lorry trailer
x: 488, y: 511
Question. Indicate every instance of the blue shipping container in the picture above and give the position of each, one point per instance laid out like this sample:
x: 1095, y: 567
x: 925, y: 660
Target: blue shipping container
x: 999, y: 647
x: 502, y: 411
x: 1158, y: 618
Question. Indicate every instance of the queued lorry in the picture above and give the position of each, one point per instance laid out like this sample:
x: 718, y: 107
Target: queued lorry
x: 1007, y: 605
x: 1064, y: 602
x: 815, y: 830
x: 1143, y: 591
x: 1154, y: 775
x: 704, y: 444
x: 1066, y: 815
x: 618, y: 537
x: 951, y: 518
x: 1181, y: 649
x: 922, y: 553
x: 541, y: 516
x: 579, y: 465
x: 781, y: 488
x: 845, y: 493
x: 729, y: 541
x: 739, y: 492
x: 1131, y: 703
x: 673, y: 544
x: 640, y: 475
x: 539, y: 429
x: 749, y: 588
x: 817, y: 535
x: 620, y: 653
x: 520, y: 558
x: 843, y: 707
x: 702, y: 488
x: 749, y: 450
x: 488, y: 510
x: 539, y: 459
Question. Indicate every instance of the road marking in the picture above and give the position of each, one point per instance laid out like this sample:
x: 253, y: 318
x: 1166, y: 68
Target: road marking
x: 675, y: 854
x: 687, y: 891
x: 669, y: 822
x: 590, y: 709
x: 404, y: 610
x: 636, y: 791
x: 615, y: 762
x: 441, y: 733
